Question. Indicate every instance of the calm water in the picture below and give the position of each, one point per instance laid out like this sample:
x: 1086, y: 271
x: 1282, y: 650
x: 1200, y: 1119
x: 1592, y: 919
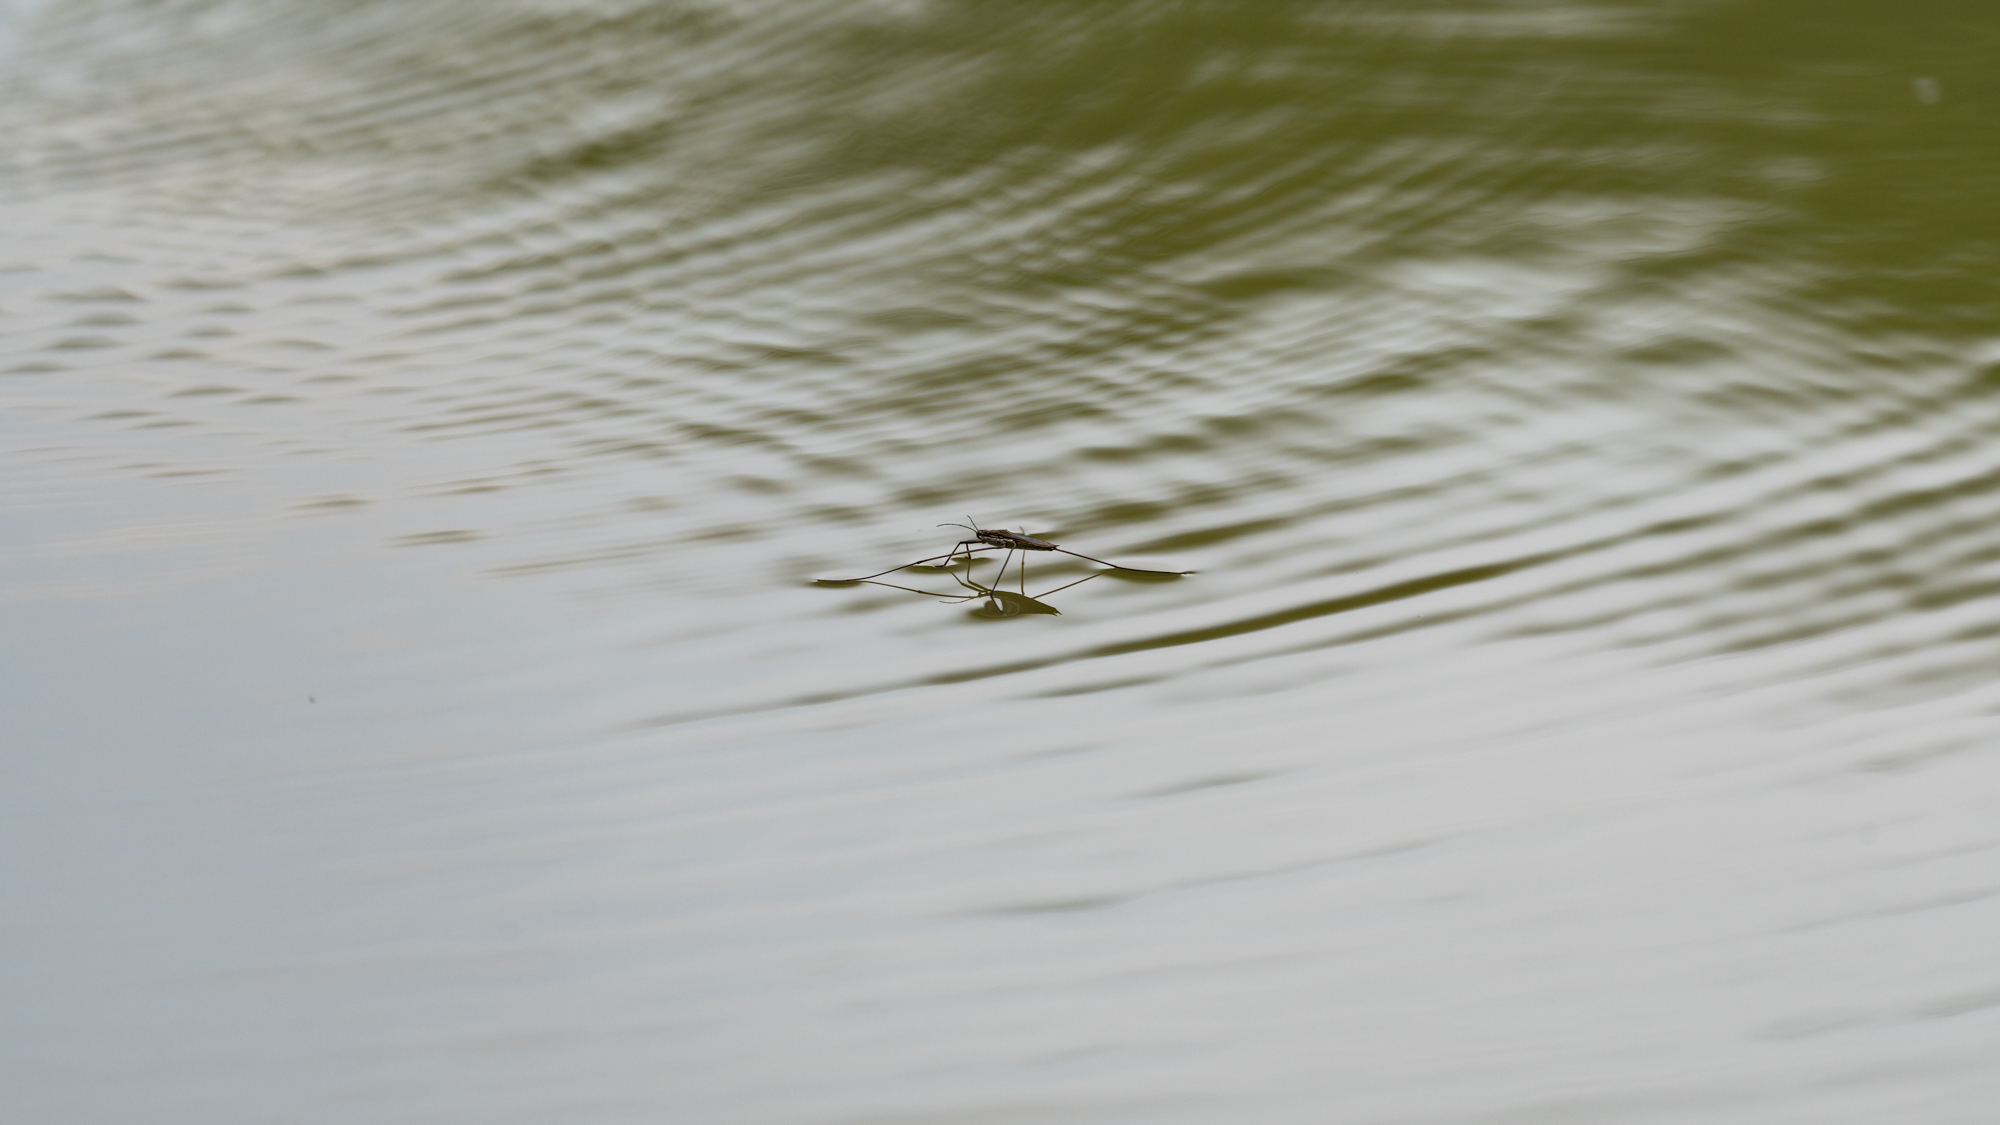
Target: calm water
x: 422, y: 423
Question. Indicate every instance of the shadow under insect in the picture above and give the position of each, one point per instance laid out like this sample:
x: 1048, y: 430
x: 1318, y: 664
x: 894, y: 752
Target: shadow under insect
x: 996, y: 601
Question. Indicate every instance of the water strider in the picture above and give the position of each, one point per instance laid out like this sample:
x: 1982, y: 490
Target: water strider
x: 996, y: 539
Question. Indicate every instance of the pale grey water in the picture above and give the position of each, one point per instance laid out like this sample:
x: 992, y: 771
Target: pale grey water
x: 421, y: 423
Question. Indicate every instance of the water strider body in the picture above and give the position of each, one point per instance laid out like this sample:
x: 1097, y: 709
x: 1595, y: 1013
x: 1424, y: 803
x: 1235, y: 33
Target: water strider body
x: 1001, y: 538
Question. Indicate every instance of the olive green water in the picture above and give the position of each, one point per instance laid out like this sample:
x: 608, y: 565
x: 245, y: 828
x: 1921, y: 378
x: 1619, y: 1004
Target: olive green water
x: 422, y: 423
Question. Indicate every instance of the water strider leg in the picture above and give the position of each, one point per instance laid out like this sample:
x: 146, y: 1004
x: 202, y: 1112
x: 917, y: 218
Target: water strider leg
x: 951, y: 554
x: 1115, y: 566
x: 1067, y: 585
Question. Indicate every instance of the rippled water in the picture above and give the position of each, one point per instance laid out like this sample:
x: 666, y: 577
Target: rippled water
x: 423, y: 421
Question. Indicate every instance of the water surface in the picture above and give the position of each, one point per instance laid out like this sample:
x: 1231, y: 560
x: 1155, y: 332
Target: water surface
x: 422, y: 424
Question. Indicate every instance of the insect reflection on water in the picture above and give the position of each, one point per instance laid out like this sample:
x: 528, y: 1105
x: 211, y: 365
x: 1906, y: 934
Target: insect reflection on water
x: 996, y: 602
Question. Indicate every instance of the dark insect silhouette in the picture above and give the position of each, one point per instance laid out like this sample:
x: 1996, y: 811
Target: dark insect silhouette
x: 999, y: 602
